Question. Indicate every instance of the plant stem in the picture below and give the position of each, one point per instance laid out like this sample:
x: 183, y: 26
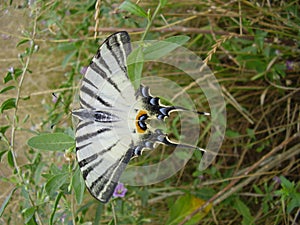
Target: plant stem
x: 15, y: 120
x: 151, y: 21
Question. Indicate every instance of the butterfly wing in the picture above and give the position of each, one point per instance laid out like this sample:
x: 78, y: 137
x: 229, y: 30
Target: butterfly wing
x: 113, y: 118
x: 102, y: 137
x: 106, y: 77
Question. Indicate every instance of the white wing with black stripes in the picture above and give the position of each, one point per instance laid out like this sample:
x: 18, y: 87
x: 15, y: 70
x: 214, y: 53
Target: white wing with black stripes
x: 102, y: 135
x: 113, y: 118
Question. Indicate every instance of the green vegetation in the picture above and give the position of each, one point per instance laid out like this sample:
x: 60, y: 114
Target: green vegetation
x: 252, y: 47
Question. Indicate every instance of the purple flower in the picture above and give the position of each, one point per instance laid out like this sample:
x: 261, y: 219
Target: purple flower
x: 11, y: 70
x: 5, y: 36
x: 54, y: 98
x: 277, y: 179
x: 83, y: 70
x: 289, y: 65
x: 120, y: 191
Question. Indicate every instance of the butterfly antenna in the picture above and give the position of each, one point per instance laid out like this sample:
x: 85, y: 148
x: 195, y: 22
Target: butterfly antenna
x: 56, y: 99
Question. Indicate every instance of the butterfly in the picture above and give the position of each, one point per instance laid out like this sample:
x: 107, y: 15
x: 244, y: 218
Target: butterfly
x: 114, y: 118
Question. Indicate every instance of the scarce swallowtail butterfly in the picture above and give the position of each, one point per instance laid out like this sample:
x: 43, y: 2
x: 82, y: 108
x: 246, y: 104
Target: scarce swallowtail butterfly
x: 113, y: 118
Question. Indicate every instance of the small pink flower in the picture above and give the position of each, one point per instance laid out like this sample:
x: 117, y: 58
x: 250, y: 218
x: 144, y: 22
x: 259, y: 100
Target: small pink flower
x: 120, y: 190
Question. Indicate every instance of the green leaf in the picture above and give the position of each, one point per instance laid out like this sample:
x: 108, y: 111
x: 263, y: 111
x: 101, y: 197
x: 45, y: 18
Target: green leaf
x: 7, y: 89
x: 8, y: 77
x: 243, y: 209
x: 58, y: 197
x: 133, y: 8
x: 163, y: 2
x: 54, y: 169
x: 251, y: 133
x: 183, y: 207
x: 98, y: 214
x: 289, y: 194
x: 51, y: 142
x: 286, y: 184
x: 135, y: 66
x: 232, y: 133
x: 2, y: 154
x: 38, y: 171
x: 24, y: 194
x: 294, y: 203
x: 67, y: 58
x: 22, y: 42
x: 12, y: 75
x: 8, y: 104
x: 70, y: 46
x: 162, y: 48
x: 155, y: 51
x: 55, y: 183
x: 25, y: 97
x: 259, y: 38
x: 27, y: 116
x: 78, y: 186
x: 3, y: 129
x: 6, y: 201
x: 28, y: 214
x: 10, y: 159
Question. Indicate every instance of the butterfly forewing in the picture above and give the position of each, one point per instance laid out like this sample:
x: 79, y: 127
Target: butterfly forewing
x: 106, y: 76
x: 102, y: 140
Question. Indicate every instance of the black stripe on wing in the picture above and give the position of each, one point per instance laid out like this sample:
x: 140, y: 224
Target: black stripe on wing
x: 94, y: 116
x: 87, y: 136
x: 89, y: 92
x: 120, y: 47
x: 99, y: 71
x: 83, y: 124
x: 78, y: 148
x: 86, y: 80
x: 103, y: 187
x: 93, y: 157
x: 84, y: 104
x: 86, y: 171
x: 102, y: 62
x: 105, y: 117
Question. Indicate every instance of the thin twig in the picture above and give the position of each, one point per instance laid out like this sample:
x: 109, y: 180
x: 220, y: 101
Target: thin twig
x: 236, y: 105
x: 97, y: 18
x: 164, y: 29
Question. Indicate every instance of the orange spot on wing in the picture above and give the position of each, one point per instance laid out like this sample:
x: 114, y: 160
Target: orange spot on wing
x: 139, y: 114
